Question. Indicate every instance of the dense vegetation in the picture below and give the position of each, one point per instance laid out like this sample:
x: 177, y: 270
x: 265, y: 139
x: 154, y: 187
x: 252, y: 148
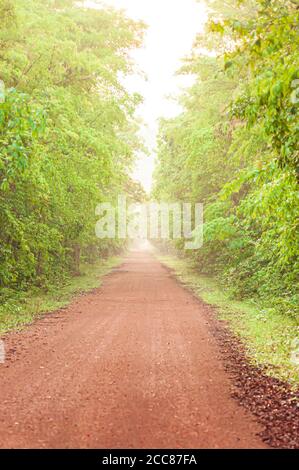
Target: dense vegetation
x: 67, y: 134
x: 235, y: 148
x: 68, y: 139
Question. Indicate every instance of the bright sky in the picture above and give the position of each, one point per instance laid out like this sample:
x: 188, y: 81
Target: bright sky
x: 172, y: 27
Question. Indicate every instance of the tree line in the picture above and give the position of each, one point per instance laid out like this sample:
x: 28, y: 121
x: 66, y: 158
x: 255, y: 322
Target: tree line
x: 235, y: 148
x: 67, y: 134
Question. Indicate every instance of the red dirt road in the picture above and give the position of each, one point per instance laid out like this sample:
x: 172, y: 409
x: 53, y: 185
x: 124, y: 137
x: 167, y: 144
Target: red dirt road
x: 130, y: 365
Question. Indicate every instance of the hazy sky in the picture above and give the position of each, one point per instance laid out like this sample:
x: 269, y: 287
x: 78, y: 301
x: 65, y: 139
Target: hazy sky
x: 172, y: 26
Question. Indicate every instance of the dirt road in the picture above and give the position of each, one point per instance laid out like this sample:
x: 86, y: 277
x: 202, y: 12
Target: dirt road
x: 130, y: 365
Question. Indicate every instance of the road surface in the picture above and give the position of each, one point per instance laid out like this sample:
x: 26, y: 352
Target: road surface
x: 132, y: 364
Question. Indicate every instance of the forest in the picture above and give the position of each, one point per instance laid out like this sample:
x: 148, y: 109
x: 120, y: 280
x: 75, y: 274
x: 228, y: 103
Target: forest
x: 235, y: 149
x: 67, y: 135
x: 109, y: 343
x: 69, y: 139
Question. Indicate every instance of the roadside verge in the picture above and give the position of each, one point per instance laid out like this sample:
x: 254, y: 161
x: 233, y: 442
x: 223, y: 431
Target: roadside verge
x: 264, y: 379
x: 24, y: 307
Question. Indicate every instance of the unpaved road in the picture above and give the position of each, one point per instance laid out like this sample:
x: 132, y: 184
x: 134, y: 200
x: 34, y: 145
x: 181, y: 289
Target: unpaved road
x: 130, y: 365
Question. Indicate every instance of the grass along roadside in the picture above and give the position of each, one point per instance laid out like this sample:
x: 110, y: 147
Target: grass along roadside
x: 21, y: 310
x: 268, y: 336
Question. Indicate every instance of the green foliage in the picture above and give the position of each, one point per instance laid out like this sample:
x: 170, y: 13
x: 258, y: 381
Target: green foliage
x: 268, y: 47
x: 235, y: 148
x: 67, y: 134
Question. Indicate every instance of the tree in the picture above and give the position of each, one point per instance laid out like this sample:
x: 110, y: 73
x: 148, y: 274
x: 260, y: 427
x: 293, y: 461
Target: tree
x: 67, y: 133
x: 235, y: 148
